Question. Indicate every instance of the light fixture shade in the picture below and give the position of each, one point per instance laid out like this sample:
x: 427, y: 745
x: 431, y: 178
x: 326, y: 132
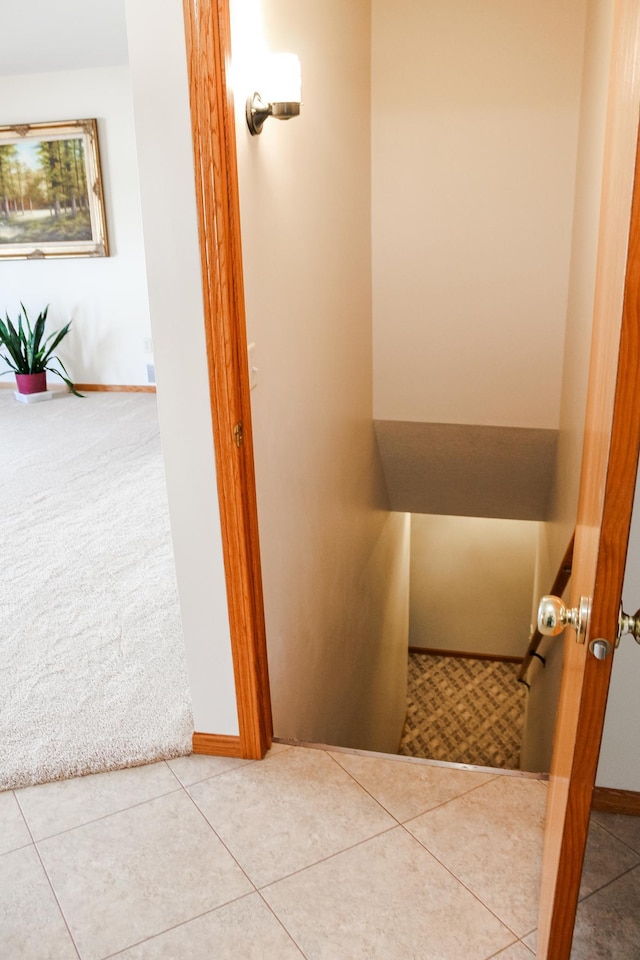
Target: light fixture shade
x: 280, y: 92
x: 284, y: 79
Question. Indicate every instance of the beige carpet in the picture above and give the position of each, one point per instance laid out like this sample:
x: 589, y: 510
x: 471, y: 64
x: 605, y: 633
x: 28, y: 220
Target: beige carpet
x: 464, y: 711
x: 93, y: 669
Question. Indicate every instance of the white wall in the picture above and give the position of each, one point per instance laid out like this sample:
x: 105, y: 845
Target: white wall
x: 619, y: 765
x: 471, y: 583
x: 106, y: 298
x: 160, y: 98
x: 474, y: 131
x: 335, y: 562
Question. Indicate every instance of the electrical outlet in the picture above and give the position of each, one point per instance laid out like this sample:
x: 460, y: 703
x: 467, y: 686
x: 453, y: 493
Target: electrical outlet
x: 147, y: 345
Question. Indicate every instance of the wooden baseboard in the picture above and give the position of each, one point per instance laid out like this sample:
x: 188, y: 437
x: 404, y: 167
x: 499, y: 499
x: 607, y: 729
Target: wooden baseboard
x: 115, y: 387
x: 216, y: 745
x: 609, y: 800
x: 97, y: 387
x: 433, y: 652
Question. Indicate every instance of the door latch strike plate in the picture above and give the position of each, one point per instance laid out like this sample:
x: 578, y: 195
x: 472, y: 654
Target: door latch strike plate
x: 238, y: 434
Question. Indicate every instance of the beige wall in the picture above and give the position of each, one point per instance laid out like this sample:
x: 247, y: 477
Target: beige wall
x: 554, y: 537
x: 335, y: 561
x: 471, y: 581
x: 474, y: 126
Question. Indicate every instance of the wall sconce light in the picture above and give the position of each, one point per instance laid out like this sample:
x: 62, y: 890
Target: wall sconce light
x: 282, y: 93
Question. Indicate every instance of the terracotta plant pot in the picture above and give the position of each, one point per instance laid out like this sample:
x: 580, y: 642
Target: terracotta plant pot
x: 31, y: 382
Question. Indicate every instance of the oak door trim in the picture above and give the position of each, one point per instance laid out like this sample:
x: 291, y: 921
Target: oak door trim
x: 217, y: 745
x: 208, y: 44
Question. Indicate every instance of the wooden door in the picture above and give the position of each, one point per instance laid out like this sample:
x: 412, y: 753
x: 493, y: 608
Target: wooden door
x: 608, y: 477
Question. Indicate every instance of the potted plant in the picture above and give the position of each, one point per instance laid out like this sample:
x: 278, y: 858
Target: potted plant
x: 29, y: 354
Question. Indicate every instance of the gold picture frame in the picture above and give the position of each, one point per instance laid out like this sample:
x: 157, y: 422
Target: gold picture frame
x: 51, y: 198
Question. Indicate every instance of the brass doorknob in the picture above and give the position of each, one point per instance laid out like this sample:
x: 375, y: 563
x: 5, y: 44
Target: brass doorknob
x: 554, y: 616
x: 628, y: 624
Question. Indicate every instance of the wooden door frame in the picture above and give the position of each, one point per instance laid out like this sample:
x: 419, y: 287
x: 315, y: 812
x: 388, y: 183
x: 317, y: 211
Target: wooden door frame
x: 208, y: 43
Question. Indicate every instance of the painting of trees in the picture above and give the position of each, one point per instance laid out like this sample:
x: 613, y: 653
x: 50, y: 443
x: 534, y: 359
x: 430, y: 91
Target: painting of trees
x: 50, y: 190
x: 64, y: 180
x: 43, y: 192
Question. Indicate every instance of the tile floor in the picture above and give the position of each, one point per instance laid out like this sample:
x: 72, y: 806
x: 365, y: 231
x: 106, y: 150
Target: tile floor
x: 312, y: 853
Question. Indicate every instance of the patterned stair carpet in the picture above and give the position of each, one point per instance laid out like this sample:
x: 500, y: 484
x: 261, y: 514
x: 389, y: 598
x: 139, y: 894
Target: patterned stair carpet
x: 464, y: 711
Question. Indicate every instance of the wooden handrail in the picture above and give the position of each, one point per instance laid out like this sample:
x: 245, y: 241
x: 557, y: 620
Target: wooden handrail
x: 558, y: 588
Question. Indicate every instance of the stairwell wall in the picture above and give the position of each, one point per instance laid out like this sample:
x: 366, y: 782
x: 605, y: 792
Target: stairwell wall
x: 334, y: 559
x: 554, y: 536
x: 475, y: 115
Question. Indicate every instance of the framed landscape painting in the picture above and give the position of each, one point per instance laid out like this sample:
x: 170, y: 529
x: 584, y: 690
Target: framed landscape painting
x: 51, y: 201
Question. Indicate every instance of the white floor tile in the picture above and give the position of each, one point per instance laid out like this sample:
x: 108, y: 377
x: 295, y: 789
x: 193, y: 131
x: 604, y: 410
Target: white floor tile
x: 13, y: 829
x: 491, y: 839
x: 283, y: 815
x: 50, y: 808
x: 140, y: 873
x: 518, y: 951
x: 31, y: 925
x: 386, y: 899
x: 625, y: 828
x: 243, y: 930
x: 607, y: 925
x: 137, y: 873
x: 409, y: 789
x: 605, y: 859
x: 197, y: 767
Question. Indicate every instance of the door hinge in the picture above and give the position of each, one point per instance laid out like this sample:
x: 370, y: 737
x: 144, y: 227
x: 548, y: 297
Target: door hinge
x: 238, y: 434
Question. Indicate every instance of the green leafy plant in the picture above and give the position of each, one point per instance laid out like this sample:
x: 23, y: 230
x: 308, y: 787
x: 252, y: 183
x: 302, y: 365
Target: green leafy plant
x: 27, y: 350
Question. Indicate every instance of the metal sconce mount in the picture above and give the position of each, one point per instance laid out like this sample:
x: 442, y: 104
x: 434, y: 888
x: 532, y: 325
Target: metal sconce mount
x: 258, y: 111
x: 281, y: 83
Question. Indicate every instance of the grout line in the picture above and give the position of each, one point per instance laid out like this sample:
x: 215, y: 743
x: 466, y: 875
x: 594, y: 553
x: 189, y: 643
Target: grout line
x: 105, y: 816
x: 28, y: 843
x: 362, y: 787
x: 330, y: 856
x: 496, y: 956
x: 222, y: 841
x: 214, y: 776
x: 55, y: 897
x: 176, y: 926
x: 477, y: 786
x: 288, y: 932
x: 437, y: 806
x: 26, y: 822
x: 609, y: 883
x: 473, y: 893
x: 173, y: 773
x: 611, y: 833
